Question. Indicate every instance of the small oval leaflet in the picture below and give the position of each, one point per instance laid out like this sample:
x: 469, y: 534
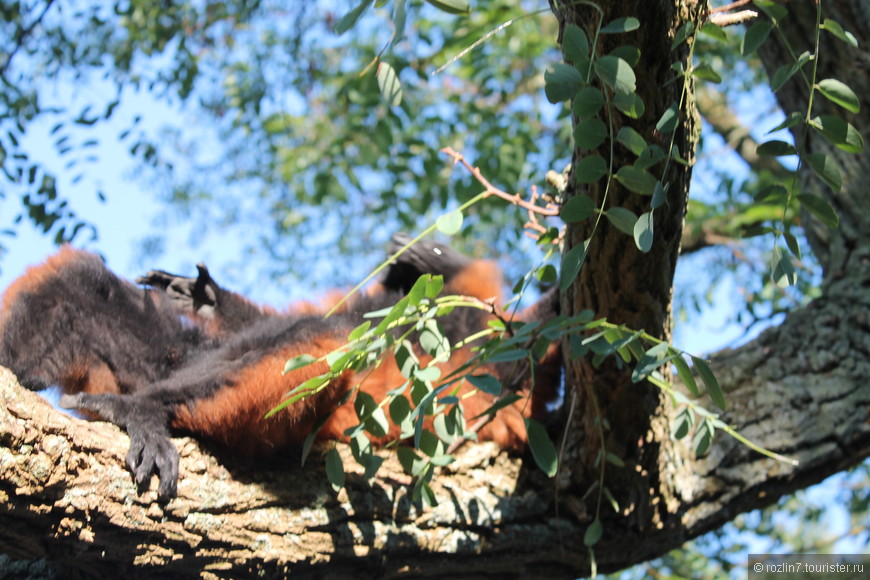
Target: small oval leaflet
x: 839, y: 132
x: 334, y: 469
x: 621, y: 25
x: 616, y: 73
x: 593, y: 533
x: 588, y: 102
x: 542, y: 448
x: 590, y: 133
x: 590, y: 169
x: 575, y: 44
x: 637, y: 180
x: 643, y: 232
x: 819, y: 208
x: 623, y: 219
x: 452, y: 6
x: 756, y: 35
x: 349, y: 19
x: 826, y: 169
x: 449, y: 223
x: 561, y: 82
x: 840, y: 93
x: 577, y: 209
x: 486, y: 383
x: 389, y: 84
x: 710, y: 382
x: 630, y: 105
x: 775, y: 148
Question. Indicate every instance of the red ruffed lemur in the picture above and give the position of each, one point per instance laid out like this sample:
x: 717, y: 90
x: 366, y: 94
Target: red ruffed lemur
x: 183, y: 355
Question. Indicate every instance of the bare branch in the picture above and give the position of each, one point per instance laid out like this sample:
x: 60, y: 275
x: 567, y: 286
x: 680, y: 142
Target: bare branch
x: 551, y: 209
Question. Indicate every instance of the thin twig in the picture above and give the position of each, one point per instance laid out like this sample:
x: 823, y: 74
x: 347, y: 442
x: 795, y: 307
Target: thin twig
x: 550, y: 209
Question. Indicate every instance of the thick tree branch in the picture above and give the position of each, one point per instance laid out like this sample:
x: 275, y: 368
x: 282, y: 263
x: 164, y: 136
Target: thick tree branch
x: 798, y: 390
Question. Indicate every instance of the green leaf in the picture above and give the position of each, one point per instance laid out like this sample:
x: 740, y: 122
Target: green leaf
x: 590, y: 169
x: 546, y: 274
x: 703, y: 438
x: 839, y: 132
x: 820, y: 208
x: 434, y: 284
x: 400, y: 413
x: 839, y: 93
x: 792, y: 244
x: 775, y: 148
x: 418, y: 290
x: 637, y: 180
x: 411, y: 462
x: 631, y: 139
x: 429, y: 374
x: 714, y: 31
x: 577, y: 209
x: 755, y: 35
x: 572, y: 263
x: 710, y: 381
x: 649, y: 157
x: 643, y: 232
x: 371, y: 415
x: 706, y: 72
x: 627, y: 52
x: 614, y: 459
x: 430, y: 444
x: 423, y: 492
x: 297, y: 362
x: 834, y: 28
x: 683, y: 423
x: 618, y: 25
x: 588, y: 102
x: 623, y: 219
x: 575, y: 44
x: 774, y: 193
x: 500, y: 404
x: 593, y: 533
x: 589, y: 133
x: 781, y: 76
x: 652, y: 359
x: 660, y: 195
x: 615, y: 73
x: 334, y: 469
x: 791, y: 120
x: 682, y: 33
x: 561, y: 82
x: 826, y: 169
x: 509, y: 355
x: 630, y: 105
x: 452, y: 6
x: 669, y: 119
x: 774, y: 10
x: 542, y: 448
x: 486, y: 383
x: 686, y: 374
x: 389, y: 84
x: 432, y: 340
x: 359, y: 331
x: 349, y: 19
x: 448, y: 428
x: 450, y: 223
x: 399, y: 19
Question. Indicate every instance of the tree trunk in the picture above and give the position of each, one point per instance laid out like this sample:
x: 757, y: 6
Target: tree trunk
x: 799, y: 390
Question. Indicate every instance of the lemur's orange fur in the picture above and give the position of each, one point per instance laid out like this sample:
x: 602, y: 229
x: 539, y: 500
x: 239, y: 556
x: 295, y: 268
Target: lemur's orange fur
x: 216, y: 373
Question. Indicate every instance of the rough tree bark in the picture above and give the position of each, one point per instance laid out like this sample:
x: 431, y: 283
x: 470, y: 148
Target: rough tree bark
x: 799, y: 389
